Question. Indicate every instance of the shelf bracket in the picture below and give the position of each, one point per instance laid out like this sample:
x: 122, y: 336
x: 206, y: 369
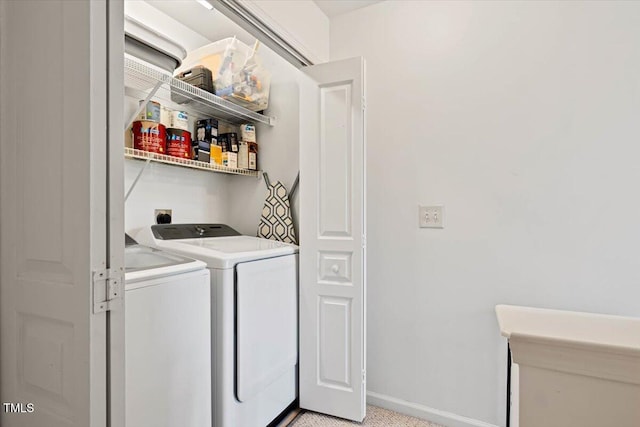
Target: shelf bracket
x: 294, y: 186
x: 135, y: 181
x: 144, y: 103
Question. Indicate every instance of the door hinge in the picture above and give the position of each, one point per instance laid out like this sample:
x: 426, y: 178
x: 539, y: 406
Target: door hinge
x: 107, y: 290
x: 364, y: 376
x: 364, y: 103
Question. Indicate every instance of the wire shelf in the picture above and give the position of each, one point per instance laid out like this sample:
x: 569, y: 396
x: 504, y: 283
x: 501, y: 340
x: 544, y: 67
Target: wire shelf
x: 141, y: 77
x: 132, y: 153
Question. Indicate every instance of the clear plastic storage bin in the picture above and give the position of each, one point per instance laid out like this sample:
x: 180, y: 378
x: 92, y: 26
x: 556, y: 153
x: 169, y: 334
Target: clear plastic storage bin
x: 237, y: 70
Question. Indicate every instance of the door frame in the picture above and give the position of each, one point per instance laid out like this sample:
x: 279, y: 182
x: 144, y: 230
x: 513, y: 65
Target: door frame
x: 116, y: 386
x: 276, y: 38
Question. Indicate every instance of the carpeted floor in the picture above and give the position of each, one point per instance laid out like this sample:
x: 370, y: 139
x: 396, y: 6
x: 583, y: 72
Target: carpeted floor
x: 376, y: 417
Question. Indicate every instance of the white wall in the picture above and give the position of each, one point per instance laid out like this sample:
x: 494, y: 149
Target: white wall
x: 523, y: 119
x: 194, y: 196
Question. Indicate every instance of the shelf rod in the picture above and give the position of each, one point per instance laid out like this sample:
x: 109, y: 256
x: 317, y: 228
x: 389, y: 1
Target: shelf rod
x: 144, y: 103
x: 135, y: 181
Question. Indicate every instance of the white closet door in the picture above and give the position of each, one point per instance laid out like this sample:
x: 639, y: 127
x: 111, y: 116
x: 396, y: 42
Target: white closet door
x: 332, y: 239
x: 53, y: 212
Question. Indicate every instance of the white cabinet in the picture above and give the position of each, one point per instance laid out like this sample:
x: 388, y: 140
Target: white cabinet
x: 575, y: 369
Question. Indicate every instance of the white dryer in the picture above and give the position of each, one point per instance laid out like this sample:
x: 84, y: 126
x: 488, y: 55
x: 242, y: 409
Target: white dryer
x: 254, y: 318
x: 168, y: 339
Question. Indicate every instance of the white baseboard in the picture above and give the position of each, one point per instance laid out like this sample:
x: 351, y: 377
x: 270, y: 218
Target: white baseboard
x: 424, y: 412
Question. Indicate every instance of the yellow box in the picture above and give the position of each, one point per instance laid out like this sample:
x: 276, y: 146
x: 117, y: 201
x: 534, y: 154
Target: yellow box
x: 216, y: 155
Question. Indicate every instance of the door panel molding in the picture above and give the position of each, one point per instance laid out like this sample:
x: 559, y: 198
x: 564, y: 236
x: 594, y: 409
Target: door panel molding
x: 334, y: 330
x: 336, y: 152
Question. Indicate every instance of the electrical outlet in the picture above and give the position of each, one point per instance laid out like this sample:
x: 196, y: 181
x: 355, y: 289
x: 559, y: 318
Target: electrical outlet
x: 162, y: 219
x: 431, y: 216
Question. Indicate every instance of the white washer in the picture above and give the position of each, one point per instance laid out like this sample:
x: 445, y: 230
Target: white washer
x: 168, y: 340
x: 254, y: 318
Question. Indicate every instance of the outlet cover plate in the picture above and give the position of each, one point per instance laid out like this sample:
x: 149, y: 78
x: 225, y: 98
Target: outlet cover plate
x: 157, y: 212
x: 431, y: 216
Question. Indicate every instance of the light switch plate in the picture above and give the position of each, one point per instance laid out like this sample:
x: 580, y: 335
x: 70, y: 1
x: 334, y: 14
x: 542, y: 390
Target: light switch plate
x: 431, y: 216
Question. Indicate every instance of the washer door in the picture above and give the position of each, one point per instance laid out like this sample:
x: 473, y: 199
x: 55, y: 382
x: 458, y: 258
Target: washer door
x: 266, y: 323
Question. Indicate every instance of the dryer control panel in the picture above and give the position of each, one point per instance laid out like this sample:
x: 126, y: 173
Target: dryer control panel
x: 191, y: 231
